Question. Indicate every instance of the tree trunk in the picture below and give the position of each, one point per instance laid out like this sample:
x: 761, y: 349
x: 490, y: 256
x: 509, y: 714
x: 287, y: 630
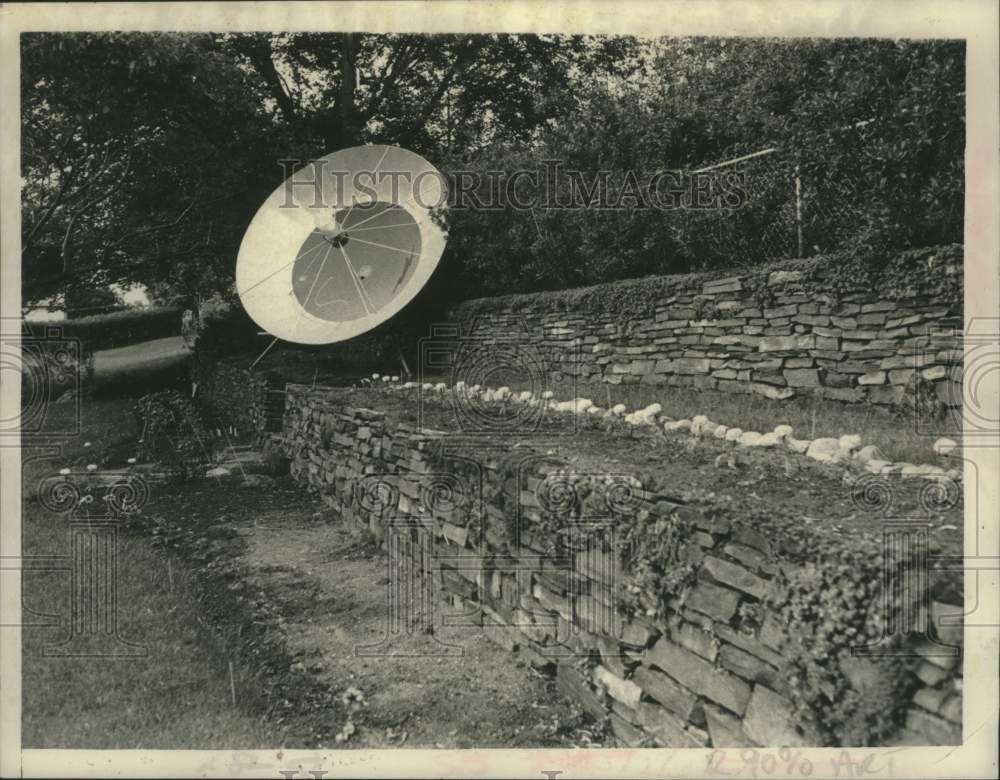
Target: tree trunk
x: 344, y: 129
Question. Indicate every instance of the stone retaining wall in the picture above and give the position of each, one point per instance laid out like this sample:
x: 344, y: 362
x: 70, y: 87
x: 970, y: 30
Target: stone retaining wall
x: 786, y: 332
x: 474, y: 525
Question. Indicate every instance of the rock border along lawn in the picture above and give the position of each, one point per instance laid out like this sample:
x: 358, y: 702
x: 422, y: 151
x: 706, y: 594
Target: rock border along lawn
x: 848, y: 449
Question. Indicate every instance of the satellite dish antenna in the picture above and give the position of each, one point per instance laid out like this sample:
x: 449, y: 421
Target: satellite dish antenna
x: 342, y: 245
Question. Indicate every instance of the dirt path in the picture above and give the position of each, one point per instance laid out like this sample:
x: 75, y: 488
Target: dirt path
x: 306, y: 592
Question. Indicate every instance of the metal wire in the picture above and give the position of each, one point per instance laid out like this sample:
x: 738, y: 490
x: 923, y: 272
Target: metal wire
x: 786, y: 213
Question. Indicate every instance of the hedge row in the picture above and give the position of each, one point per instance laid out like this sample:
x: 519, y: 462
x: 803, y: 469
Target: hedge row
x: 122, y: 328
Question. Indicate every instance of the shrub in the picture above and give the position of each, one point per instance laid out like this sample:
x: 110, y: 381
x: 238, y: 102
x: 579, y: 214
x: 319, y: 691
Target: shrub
x: 173, y: 431
x: 225, y: 329
x: 122, y: 328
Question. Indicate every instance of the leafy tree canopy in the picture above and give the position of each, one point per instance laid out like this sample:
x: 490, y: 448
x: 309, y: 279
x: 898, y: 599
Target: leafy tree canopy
x: 144, y: 156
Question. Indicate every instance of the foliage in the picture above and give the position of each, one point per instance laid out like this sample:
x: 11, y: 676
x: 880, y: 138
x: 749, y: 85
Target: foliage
x: 829, y: 609
x: 224, y: 328
x: 84, y: 301
x: 425, y: 92
x: 882, y: 130
x: 829, y: 600
x: 121, y: 328
x: 907, y: 274
x: 655, y: 551
x: 106, y: 115
x: 920, y: 402
x: 622, y: 299
x: 172, y: 431
x: 874, y: 127
x: 934, y: 272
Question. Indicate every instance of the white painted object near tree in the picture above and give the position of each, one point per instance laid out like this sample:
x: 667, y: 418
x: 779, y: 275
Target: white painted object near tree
x: 801, y: 446
x: 868, y: 453
x: 646, y: 416
x: 826, y: 450
x: 850, y: 442
x: 783, y: 431
x: 945, y: 447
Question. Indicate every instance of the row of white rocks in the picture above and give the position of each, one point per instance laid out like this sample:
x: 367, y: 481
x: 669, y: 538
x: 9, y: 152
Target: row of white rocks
x: 846, y: 449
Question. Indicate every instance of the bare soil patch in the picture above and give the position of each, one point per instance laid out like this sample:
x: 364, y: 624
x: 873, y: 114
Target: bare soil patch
x: 304, y: 592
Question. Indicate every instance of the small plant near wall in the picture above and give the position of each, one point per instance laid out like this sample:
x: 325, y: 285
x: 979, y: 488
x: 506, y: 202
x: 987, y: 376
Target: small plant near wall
x: 832, y: 610
x: 828, y: 600
x: 706, y: 309
x: 654, y: 551
x: 750, y: 617
x: 172, y: 431
x: 920, y: 401
x: 761, y: 292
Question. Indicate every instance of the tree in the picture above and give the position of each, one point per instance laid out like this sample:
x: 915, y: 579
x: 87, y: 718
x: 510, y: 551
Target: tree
x: 87, y: 301
x: 136, y: 155
x: 145, y: 156
x: 876, y: 129
x: 428, y: 93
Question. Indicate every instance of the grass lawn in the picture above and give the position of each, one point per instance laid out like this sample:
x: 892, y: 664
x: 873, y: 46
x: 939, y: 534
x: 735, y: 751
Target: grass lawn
x: 217, y: 572
x: 179, y: 693
x: 139, y: 368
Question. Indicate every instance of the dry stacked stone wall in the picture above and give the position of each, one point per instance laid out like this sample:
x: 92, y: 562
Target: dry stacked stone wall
x: 526, y: 551
x: 848, y: 331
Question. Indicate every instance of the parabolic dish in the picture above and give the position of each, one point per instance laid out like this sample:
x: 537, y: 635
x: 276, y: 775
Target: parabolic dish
x: 342, y: 245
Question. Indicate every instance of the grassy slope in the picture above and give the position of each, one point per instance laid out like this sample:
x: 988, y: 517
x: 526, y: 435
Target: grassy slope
x: 139, y: 368
x: 217, y: 572
x: 106, y: 703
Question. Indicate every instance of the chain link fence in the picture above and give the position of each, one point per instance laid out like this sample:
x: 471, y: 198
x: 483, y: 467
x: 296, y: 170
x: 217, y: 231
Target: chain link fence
x: 786, y: 213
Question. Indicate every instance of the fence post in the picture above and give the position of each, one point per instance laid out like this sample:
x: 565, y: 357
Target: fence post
x: 798, y: 209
